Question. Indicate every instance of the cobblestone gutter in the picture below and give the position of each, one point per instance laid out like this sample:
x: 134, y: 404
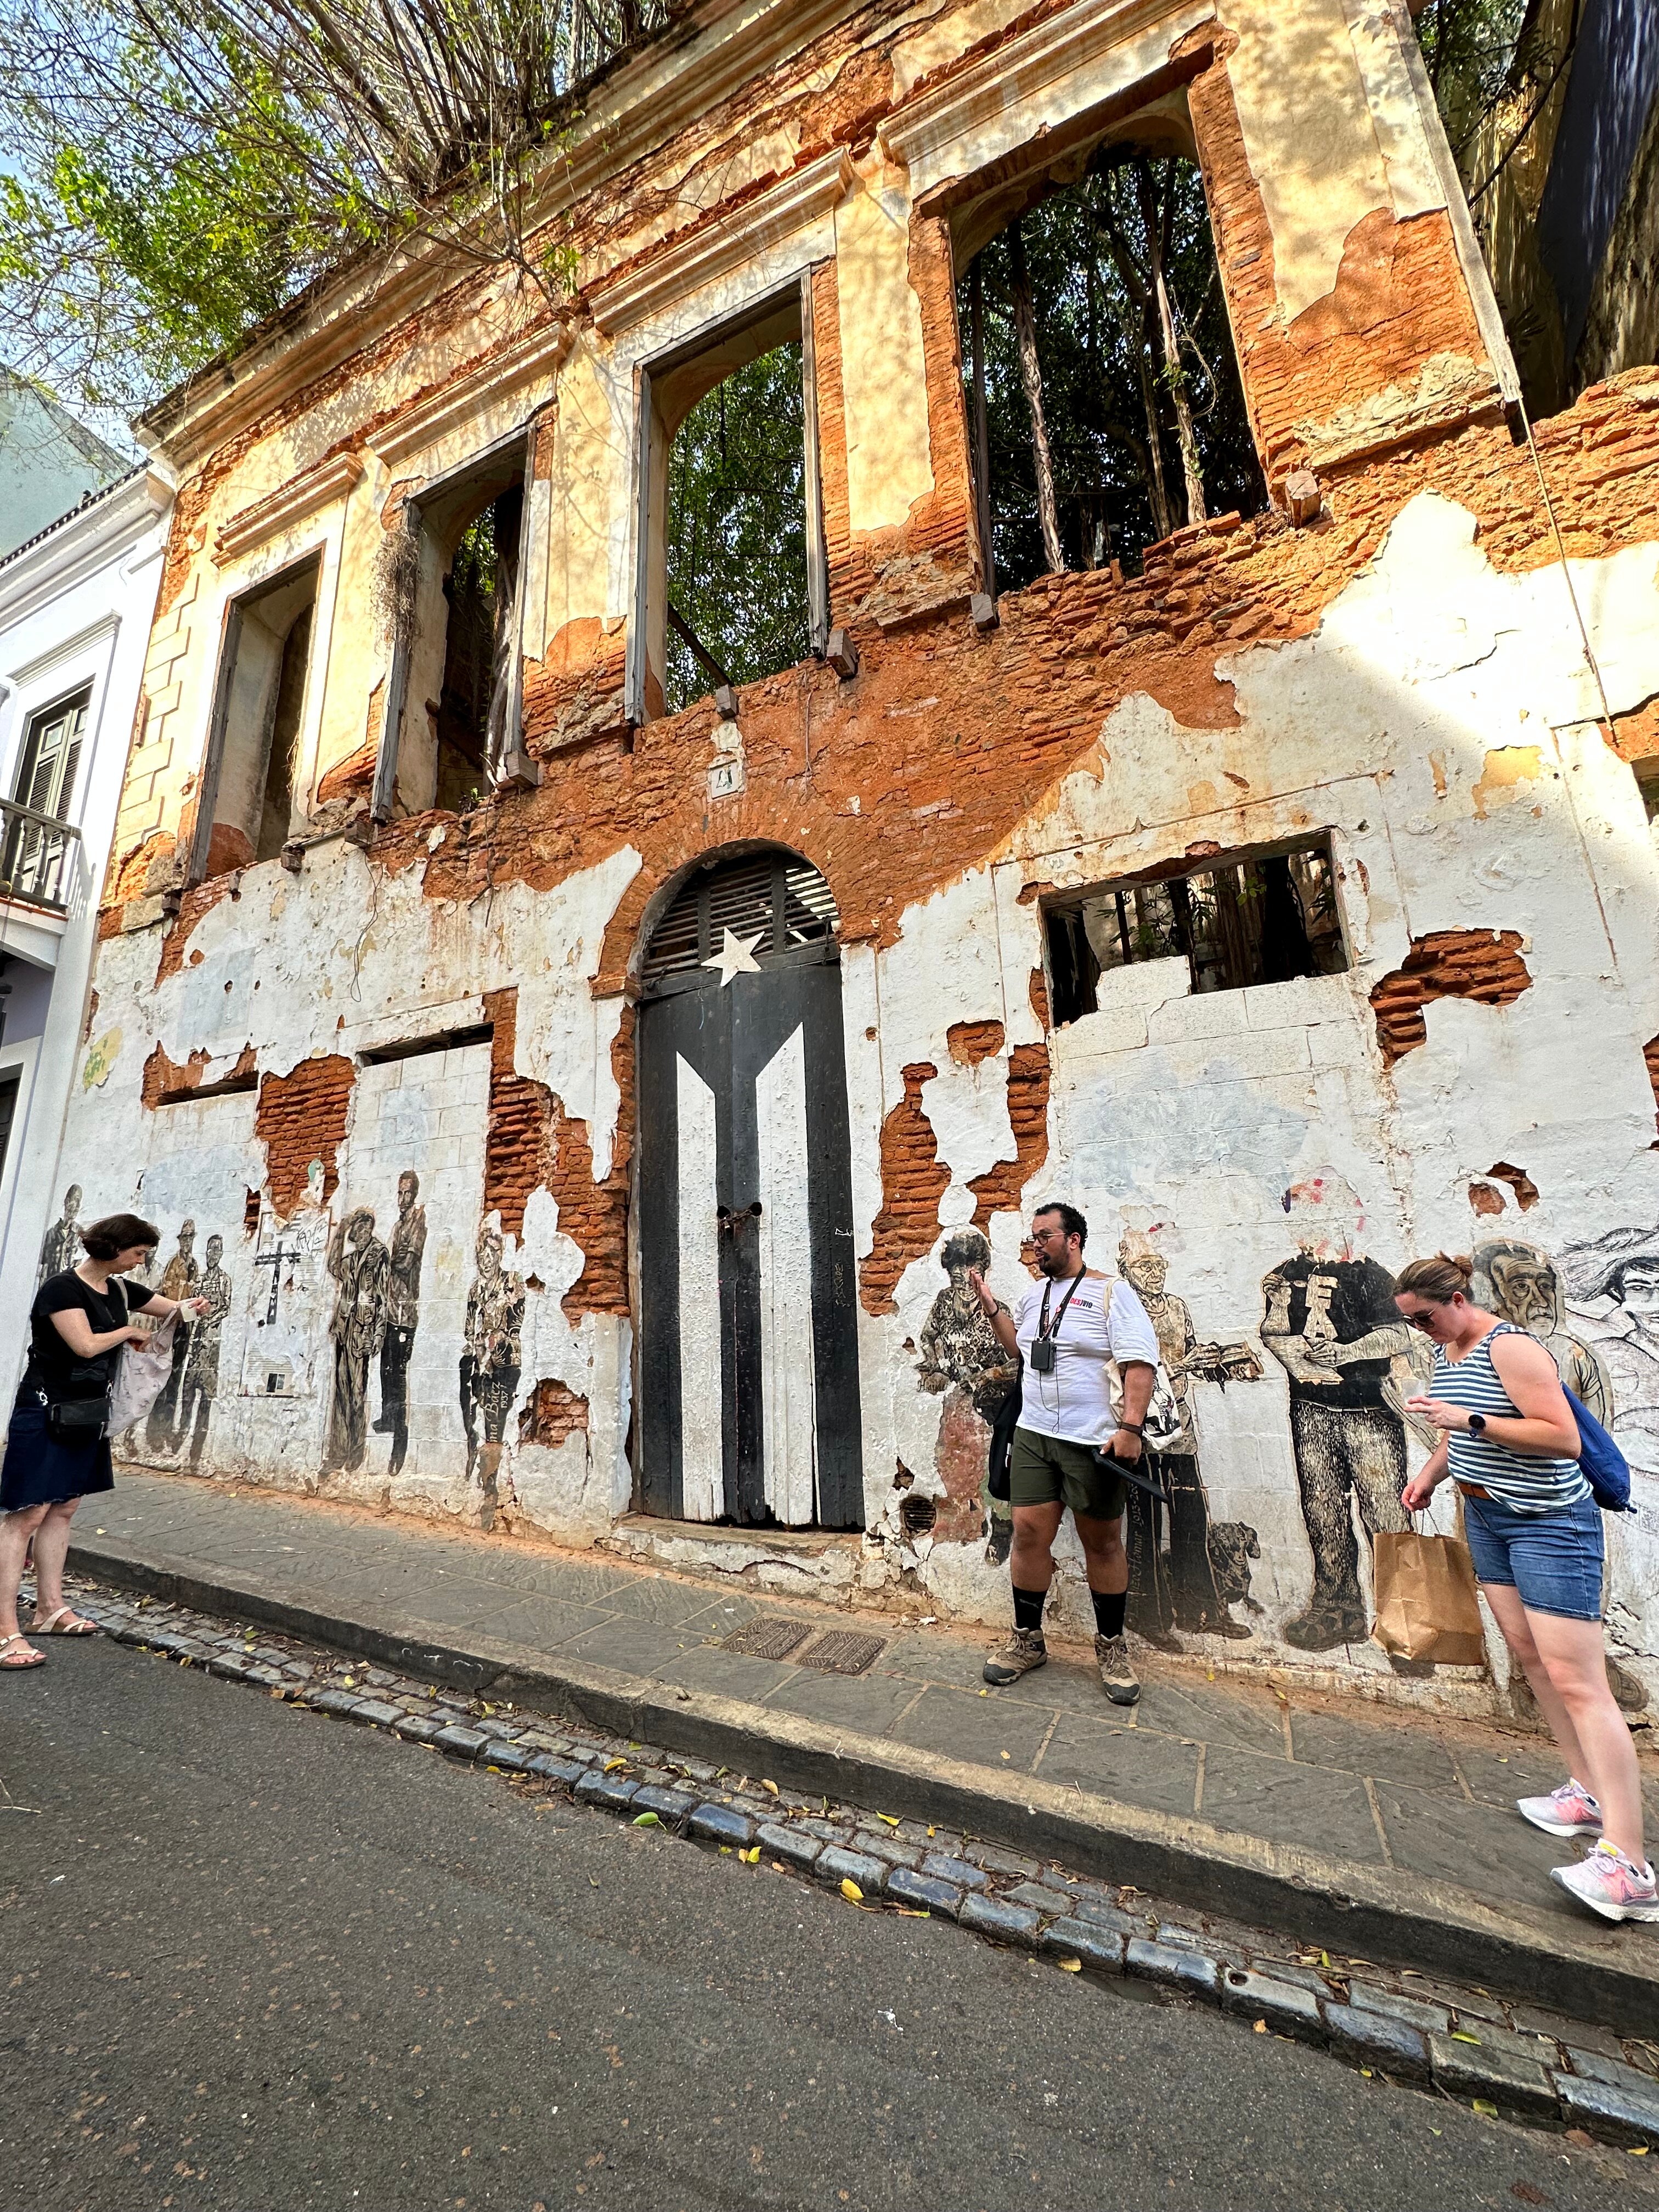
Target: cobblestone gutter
x: 1506, y: 2060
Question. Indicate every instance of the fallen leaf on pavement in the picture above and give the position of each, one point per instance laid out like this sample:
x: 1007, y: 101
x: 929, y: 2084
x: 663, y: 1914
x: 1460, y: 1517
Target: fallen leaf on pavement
x: 772, y: 1786
x: 1484, y: 2106
x: 1070, y: 1965
x: 1261, y: 2027
x: 1462, y: 2035
x: 611, y: 1764
x: 892, y: 1821
x: 647, y: 1821
x: 851, y: 1892
x: 750, y: 1857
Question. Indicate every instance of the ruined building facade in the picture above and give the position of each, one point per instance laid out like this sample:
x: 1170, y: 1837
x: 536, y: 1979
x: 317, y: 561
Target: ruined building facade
x: 581, y: 1110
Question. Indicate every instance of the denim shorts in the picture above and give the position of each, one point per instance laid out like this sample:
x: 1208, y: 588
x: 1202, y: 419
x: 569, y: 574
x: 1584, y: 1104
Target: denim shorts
x: 1553, y: 1559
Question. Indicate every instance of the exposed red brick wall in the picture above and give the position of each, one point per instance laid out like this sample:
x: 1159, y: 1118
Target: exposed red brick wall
x: 164, y: 1082
x: 520, y: 1109
x: 1525, y: 1189
x: 998, y: 1190
x: 914, y: 1179
x: 1483, y: 965
x: 552, y: 1413
x: 302, y: 1117
x: 595, y: 1214
x: 196, y: 903
x: 969, y: 1042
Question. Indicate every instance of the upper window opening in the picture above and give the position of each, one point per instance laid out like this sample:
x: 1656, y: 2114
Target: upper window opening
x: 1104, y: 400
x: 731, y: 585
x: 450, y: 578
x: 1239, y: 919
x: 1647, y: 782
x: 36, y: 854
x: 248, y: 794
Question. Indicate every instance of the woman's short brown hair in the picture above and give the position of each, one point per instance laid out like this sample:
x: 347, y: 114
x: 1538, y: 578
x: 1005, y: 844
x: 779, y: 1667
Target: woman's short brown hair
x: 1439, y: 1281
x: 117, y: 1233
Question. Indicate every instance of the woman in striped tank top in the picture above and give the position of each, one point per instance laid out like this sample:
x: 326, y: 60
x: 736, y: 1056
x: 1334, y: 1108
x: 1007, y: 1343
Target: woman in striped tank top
x: 1509, y: 1442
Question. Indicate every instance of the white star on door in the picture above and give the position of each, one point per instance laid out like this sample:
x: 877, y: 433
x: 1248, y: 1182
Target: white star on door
x: 736, y: 957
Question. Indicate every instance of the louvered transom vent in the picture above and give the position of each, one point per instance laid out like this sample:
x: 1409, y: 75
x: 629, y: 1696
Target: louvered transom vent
x: 782, y: 901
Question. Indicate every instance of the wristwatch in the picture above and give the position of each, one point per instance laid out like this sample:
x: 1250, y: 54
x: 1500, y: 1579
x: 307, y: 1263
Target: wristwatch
x: 1477, y: 1424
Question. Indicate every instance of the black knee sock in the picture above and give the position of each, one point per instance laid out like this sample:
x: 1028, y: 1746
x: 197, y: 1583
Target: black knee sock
x: 1028, y: 1609
x: 1109, y: 1610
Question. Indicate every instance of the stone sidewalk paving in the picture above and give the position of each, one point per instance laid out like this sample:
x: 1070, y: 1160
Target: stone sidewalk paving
x: 1408, y: 1799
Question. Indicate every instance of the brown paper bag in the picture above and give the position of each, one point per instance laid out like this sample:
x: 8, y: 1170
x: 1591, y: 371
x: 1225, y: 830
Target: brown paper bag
x: 1426, y: 1606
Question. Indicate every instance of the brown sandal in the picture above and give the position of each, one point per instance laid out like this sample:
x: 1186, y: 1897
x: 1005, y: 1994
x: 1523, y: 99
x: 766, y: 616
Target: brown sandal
x: 22, y: 1662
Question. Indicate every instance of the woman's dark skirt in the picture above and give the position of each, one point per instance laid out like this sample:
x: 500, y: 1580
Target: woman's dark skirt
x: 39, y: 1470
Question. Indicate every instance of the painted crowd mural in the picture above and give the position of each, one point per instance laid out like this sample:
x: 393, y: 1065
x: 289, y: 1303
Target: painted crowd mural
x: 334, y: 1307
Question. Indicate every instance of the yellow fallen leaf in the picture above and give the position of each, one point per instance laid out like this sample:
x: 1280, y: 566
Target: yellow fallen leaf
x: 772, y: 1786
x: 1366, y: 2071
x: 851, y: 1892
x: 891, y: 1820
x: 930, y: 1833
x: 1324, y: 1958
x: 647, y: 1821
x: 912, y: 1912
x: 1638, y: 2150
x: 1261, y: 2027
x: 611, y: 1764
x: 1462, y: 2035
x: 1002, y: 1754
x: 1488, y: 2111
x: 985, y: 1693
x: 750, y: 1857
x: 1070, y: 1965
x: 350, y: 1683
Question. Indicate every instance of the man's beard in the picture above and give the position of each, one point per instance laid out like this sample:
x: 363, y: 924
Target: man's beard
x: 1053, y: 1268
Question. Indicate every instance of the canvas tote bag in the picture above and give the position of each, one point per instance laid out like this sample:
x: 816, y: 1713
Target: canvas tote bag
x: 1426, y: 1605
x: 140, y: 1374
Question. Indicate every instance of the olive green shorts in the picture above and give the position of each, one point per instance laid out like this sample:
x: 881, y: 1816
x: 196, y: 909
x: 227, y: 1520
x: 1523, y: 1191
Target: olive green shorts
x: 1052, y: 1471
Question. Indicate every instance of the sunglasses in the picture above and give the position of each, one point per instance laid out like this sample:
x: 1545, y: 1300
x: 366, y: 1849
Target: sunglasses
x: 1423, y: 1320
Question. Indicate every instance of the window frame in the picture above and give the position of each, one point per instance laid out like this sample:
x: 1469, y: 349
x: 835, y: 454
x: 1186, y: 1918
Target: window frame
x: 1323, y: 841
x: 230, y: 642
x: 60, y: 703
x: 433, y: 490
x: 650, y: 445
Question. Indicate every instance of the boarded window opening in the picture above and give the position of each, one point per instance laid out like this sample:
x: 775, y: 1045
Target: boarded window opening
x: 248, y: 792
x: 1104, y: 401
x: 1240, y: 919
x: 733, y: 585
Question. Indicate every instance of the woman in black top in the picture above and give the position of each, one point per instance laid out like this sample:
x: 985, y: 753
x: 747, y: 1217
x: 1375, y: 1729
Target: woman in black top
x: 78, y: 1323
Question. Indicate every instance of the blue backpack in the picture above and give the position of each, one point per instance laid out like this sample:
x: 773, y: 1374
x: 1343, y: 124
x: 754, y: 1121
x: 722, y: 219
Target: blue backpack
x: 1602, y: 1463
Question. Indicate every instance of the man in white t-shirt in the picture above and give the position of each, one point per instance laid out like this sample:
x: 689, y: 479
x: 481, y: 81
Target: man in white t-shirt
x: 1090, y: 1355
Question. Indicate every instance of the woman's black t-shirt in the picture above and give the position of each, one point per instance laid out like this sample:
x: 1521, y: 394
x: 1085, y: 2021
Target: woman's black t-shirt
x: 53, y: 1366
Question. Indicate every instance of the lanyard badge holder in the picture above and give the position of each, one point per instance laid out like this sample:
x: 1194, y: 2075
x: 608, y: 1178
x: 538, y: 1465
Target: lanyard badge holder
x: 1042, y: 1350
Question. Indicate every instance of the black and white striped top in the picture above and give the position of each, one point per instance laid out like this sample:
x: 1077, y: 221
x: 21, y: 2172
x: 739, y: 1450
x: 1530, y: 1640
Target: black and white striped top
x: 1525, y: 1483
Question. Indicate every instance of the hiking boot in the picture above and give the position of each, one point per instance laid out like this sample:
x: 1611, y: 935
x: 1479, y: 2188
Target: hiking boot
x: 1023, y: 1650
x: 1121, y: 1683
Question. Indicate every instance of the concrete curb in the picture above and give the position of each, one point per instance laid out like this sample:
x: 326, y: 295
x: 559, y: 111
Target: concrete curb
x: 1401, y: 1920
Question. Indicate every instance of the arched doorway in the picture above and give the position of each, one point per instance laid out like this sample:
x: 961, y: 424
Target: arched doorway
x: 749, y: 1390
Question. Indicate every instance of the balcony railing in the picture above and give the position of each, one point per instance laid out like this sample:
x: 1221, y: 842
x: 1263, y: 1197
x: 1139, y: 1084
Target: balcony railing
x: 35, y: 851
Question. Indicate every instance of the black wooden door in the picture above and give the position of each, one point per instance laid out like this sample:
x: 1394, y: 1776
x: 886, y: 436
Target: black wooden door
x: 749, y: 1400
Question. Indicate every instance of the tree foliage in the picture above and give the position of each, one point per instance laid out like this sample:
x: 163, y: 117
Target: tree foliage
x: 178, y: 174
x: 736, y: 528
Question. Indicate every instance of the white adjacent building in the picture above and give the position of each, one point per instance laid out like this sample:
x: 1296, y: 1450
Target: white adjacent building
x: 75, y: 605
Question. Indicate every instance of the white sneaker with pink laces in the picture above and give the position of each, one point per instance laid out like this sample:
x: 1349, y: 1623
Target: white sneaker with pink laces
x: 1568, y: 1811
x: 1611, y: 1885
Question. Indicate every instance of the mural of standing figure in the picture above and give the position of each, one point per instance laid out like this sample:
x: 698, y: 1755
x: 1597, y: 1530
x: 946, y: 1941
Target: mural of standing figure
x: 1330, y: 1322
x: 961, y: 1358
x: 360, y: 1264
x: 1613, y: 1284
x: 403, y: 1314
x: 179, y: 1278
x: 201, y: 1373
x: 490, y: 1361
x: 1180, y: 1592
x: 60, y: 1248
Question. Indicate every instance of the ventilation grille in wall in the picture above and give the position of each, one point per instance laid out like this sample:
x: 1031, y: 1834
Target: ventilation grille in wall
x: 783, y: 900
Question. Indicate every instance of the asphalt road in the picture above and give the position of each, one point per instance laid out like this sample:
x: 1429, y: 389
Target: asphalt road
x: 256, y: 1958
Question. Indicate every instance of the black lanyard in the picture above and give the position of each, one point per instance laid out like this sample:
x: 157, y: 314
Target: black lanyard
x: 1045, y: 1328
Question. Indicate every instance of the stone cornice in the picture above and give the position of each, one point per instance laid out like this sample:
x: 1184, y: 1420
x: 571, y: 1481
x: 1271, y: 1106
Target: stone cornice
x: 717, y: 247
x: 680, y: 75
x: 278, y: 510
x: 497, y: 377
x: 1017, y: 69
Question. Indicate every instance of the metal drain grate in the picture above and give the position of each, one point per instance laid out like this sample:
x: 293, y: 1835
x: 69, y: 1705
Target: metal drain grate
x: 842, y: 1651
x: 768, y: 1636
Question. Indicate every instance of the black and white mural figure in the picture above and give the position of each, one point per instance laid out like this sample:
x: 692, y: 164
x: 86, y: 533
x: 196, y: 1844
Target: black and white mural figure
x: 491, y: 1360
x: 1329, y: 1321
x: 360, y: 1264
x: 1612, y: 1285
x: 403, y: 1314
x: 1523, y: 1284
x: 961, y: 1359
x: 180, y: 1279
x: 60, y: 1248
x: 1179, y: 1588
x: 748, y: 1389
x: 200, y: 1383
